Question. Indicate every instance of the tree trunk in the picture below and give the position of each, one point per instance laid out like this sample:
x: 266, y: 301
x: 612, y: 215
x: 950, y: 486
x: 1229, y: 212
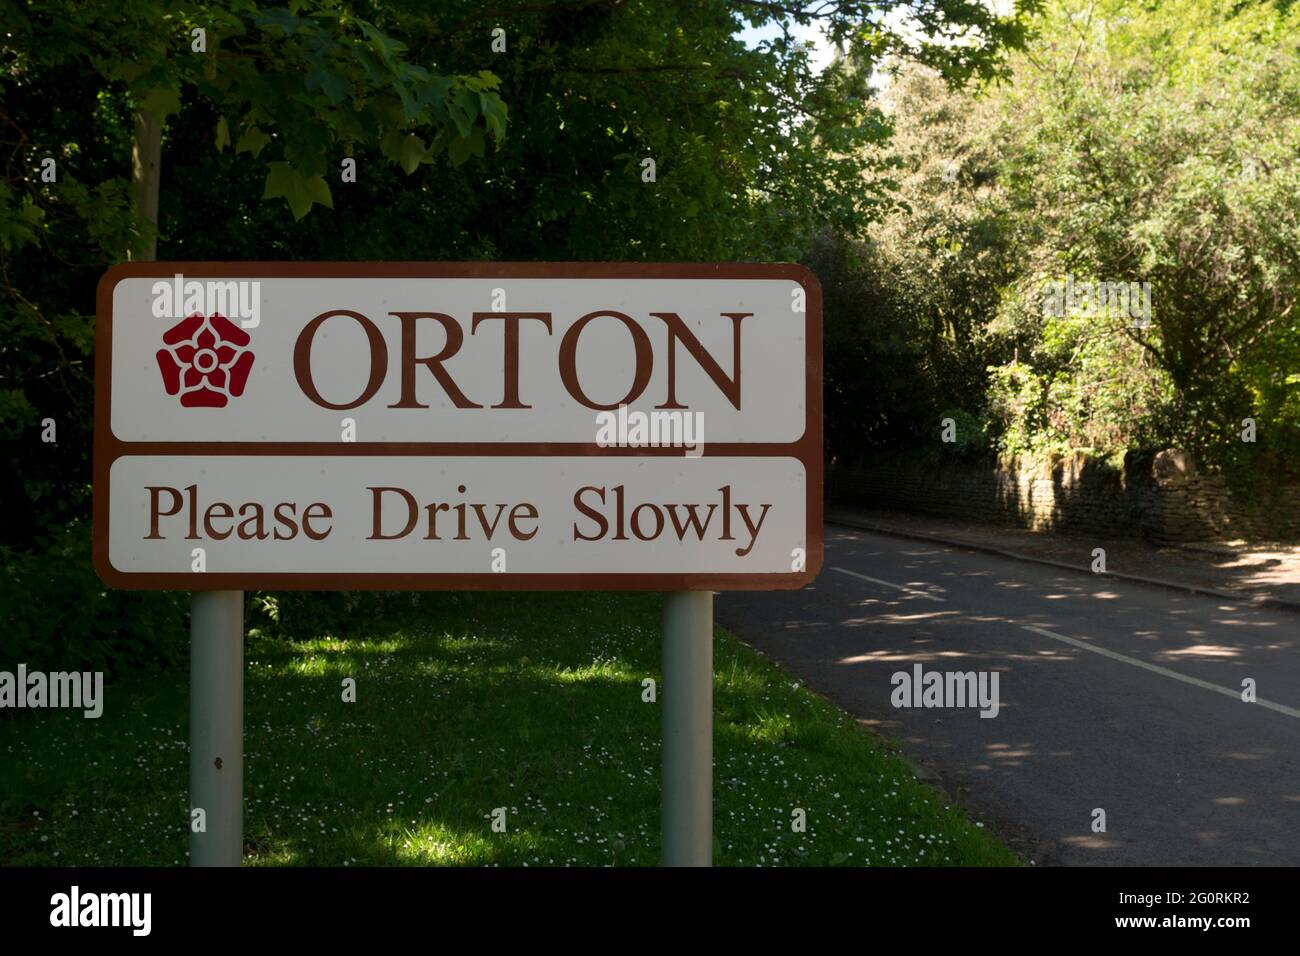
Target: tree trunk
x: 146, y: 167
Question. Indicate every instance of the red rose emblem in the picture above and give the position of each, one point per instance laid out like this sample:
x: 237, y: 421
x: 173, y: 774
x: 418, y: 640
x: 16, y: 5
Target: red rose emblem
x: 205, y: 361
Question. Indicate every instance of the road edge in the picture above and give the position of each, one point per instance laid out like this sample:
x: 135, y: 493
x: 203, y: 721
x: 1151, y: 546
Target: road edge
x: 1267, y: 601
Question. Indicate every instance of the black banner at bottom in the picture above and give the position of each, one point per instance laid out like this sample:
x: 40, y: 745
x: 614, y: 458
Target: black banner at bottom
x: 335, y: 906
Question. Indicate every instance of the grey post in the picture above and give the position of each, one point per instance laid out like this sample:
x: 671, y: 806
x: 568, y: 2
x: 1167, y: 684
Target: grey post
x: 217, y: 726
x: 687, y: 702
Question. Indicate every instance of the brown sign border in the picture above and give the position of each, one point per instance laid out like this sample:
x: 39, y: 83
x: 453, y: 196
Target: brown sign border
x: 107, y: 448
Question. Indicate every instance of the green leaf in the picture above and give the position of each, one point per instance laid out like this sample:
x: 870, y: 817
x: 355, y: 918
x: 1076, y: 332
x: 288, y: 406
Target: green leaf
x: 434, y: 91
x: 348, y: 125
x: 374, y: 69
x: 476, y: 142
x: 463, y: 110
x: 333, y: 84
x: 282, y: 19
x: 411, y: 153
x: 305, y: 147
x: 494, y: 114
x: 223, y: 134
x: 162, y: 101
x: 283, y: 181
x: 18, y: 230
x: 468, y: 103
x: 390, y: 144
x: 252, y: 140
x: 410, y: 110
x: 380, y: 42
x: 445, y: 136
x: 458, y: 150
x: 388, y: 110
x: 130, y: 71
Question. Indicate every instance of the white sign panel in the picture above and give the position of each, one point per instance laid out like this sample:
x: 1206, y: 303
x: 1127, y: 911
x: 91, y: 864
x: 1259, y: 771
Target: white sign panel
x: 396, y: 425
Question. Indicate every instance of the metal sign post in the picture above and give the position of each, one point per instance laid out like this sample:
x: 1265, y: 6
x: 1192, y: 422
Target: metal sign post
x: 687, y: 701
x: 217, y: 727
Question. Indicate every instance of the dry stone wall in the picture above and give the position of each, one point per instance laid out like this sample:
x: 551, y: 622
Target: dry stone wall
x: 1161, y: 498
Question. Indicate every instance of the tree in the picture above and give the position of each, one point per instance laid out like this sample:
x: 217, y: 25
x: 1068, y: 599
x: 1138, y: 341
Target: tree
x: 1159, y: 145
x: 1148, y: 146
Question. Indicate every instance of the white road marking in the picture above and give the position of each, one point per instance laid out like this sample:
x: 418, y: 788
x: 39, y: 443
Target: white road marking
x: 1162, y: 671
x: 912, y: 591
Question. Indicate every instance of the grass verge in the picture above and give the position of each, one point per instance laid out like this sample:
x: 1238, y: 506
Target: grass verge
x: 466, y: 703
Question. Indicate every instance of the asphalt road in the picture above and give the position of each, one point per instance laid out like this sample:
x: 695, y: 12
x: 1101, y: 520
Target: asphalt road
x: 1113, y: 695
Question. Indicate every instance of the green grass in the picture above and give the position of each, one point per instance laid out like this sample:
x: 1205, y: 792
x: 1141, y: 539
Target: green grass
x: 467, y: 702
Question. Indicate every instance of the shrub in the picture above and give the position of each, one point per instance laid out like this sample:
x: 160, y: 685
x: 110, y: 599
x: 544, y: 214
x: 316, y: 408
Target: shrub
x: 59, y: 616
